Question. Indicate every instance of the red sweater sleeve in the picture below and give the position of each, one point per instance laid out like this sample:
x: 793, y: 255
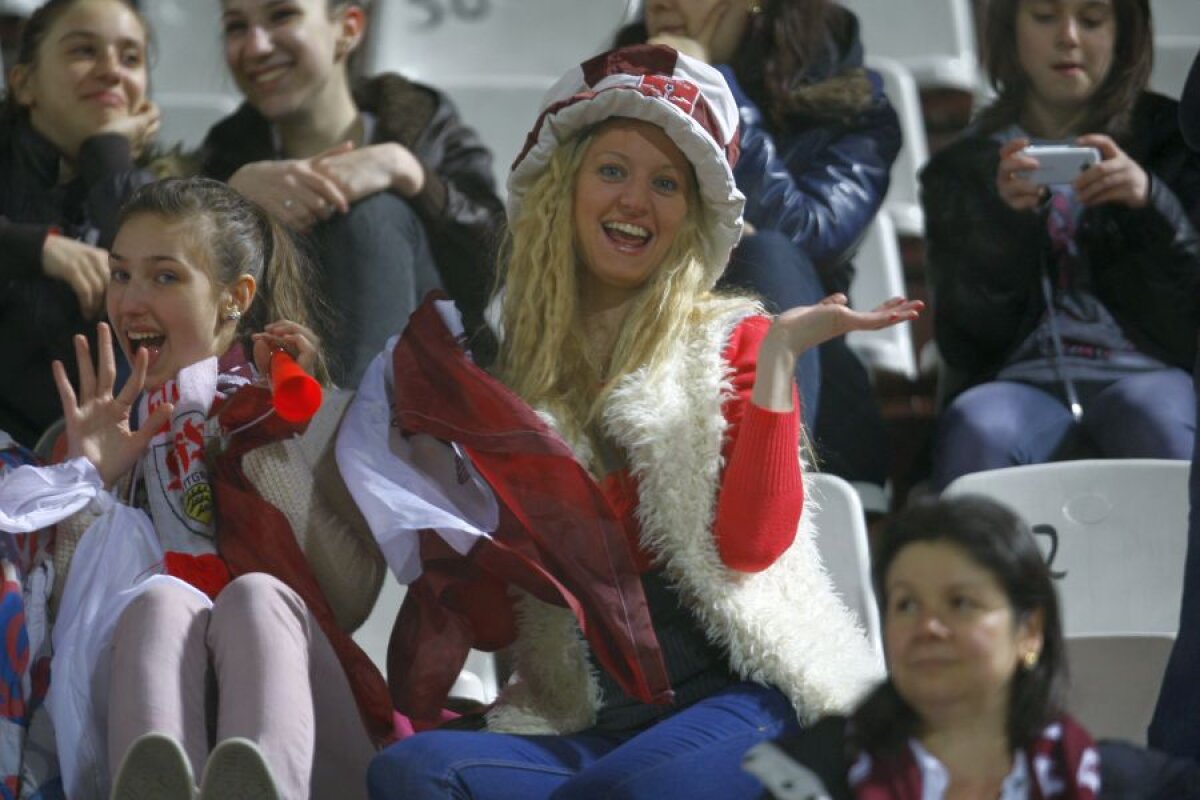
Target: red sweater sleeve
x: 762, y: 489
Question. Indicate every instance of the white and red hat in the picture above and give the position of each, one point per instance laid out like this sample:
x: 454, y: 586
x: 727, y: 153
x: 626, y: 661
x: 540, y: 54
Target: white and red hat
x: 685, y: 97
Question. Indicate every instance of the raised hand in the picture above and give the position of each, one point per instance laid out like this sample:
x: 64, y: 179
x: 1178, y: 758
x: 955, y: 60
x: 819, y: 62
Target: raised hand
x: 799, y: 329
x: 1116, y: 179
x: 364, y: 171
x: 697, y: 44
x: 97, y: 422
x: 82, y: 267
x: 139, y: 127
x: 293, y: 191
x: 300, y: 343
x: 1020, y: 193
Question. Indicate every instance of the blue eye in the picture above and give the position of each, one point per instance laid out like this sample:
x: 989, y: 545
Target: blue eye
x: 118, y: 275
x: 166, y: 277
x: 669, y: 185
x: 610, y: 171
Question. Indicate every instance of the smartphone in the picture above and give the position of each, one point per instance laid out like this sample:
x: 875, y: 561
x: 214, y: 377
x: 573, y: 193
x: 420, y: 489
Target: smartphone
x: 1059, y: 163
x: 784, y: 777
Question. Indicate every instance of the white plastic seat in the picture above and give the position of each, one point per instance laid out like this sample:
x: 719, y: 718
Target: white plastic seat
x: 903, y: 201
x: 842, y: 540
x: 1115, y: 681
x: 1173, y: 57
x: 1114, y: 532
x: 935, y: 39
x: 476, y: 682
x: 1176, y: 17
x: 879, y: 277
x: 187, y: 116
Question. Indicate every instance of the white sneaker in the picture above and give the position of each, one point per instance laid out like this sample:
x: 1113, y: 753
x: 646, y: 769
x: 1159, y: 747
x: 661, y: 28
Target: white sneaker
x: 236, y: 770
x: 154, y: 768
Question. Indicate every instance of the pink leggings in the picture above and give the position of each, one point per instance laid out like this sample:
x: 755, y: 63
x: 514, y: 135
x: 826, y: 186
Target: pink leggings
x: 256, y: 665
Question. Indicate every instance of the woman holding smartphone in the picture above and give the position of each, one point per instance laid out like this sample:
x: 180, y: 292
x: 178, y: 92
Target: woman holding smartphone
x: 1067, y: 312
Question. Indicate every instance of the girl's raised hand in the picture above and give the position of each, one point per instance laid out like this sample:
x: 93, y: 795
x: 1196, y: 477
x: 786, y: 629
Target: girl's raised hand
x: 698, y: 45
x: 1116, y: 179
x: 1019, y: 193
x: 300, y: 343
x: 799, y: 329
x: 97, y: 421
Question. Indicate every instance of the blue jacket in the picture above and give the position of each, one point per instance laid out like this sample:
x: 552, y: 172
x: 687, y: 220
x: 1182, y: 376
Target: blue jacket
x: 819, y: 181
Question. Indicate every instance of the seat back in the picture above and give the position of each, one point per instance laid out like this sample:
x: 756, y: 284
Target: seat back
x: 1115, y: 681
x: 903, y: 201
x: 1114, y: 533
x: 1173, y: 57
x: 879, y: 276
x: 935, y: 39
x: 842, y: 540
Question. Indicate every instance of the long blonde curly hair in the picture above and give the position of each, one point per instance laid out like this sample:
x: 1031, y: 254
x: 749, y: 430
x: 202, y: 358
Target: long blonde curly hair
x: 543, y: 354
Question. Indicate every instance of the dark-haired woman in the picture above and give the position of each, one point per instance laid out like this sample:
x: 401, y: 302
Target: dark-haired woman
x: 1070, y: 311
x: 974, y: 703
x: 75, y: 119
x: 818, y: 141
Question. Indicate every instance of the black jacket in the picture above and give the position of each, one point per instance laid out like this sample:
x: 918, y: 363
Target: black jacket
x: 985, y: 259
x: 38, y: 316
x: 458, y: 204
x: 1127, y: 772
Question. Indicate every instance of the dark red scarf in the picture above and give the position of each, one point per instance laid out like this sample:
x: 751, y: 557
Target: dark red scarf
x: 1063, y: 765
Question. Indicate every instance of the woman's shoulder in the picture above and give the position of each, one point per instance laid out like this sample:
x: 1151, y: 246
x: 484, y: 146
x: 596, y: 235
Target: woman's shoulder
x: 404, y: 107
x: 241, y: 138
x: 969, y: 155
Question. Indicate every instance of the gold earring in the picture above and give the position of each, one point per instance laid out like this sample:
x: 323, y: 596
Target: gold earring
x: 1030, y: 659
x: 755, y: 9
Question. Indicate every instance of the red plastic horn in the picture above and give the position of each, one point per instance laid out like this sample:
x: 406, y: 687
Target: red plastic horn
x: 295, y: 394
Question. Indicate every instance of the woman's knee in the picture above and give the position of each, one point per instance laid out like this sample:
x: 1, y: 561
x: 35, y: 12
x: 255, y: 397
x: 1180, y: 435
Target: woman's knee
x: 257, y: 595
x: 374, y: 216
x: 162, y: 606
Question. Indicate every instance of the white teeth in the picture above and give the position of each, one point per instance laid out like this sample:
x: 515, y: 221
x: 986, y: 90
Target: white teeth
x: 627, y: 228
x: 270, y: 75
x: 137, y: 337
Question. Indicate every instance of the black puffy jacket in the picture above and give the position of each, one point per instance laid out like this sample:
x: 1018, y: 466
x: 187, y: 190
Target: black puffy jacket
x: 985, y: 259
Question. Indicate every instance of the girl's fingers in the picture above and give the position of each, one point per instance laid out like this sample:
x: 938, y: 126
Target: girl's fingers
x: 154, y: 423
x: 66, y: 392
x: 137, y: 379
x: 87, y: 375
x: 107, y: 374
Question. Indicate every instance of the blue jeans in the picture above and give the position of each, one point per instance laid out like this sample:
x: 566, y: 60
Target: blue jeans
x: 695, y: 753
x: 1175, y: 726
x: 1005, y: 424
x: 374, y: 267
x: 768, y: 264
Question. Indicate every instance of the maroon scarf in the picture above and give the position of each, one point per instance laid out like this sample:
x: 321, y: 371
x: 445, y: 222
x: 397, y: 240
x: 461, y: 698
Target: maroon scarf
x: 1063, y: 765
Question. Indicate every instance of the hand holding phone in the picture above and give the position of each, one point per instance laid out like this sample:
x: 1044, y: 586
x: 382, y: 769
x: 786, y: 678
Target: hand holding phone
x: 1058, y: 164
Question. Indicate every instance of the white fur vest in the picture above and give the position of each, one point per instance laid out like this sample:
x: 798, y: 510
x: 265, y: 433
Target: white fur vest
x: 784, y: 626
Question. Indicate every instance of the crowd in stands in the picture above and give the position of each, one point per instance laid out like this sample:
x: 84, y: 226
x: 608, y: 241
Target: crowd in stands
x: 576, y: 423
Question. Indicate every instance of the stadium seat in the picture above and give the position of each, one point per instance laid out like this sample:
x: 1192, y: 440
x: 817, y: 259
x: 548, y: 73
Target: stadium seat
x: 903, y: 201
x: 1173, y: 57
x: 478, y: 680
x: 187, y: 116
x: 879, y: 276
x: 1176, y: 17
x: 842, y: 540
x: 1114, y: 533
x: 1114, y: 682
x: 935, y: 39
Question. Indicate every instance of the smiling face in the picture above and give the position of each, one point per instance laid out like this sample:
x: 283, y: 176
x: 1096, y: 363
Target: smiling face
x: 288, y: 56
x: 162, y: 296
x: 89, y: 69
x: 1065, y: 48
x: 953, y: 645
x: 688, y: 18
x: 630, y: 203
